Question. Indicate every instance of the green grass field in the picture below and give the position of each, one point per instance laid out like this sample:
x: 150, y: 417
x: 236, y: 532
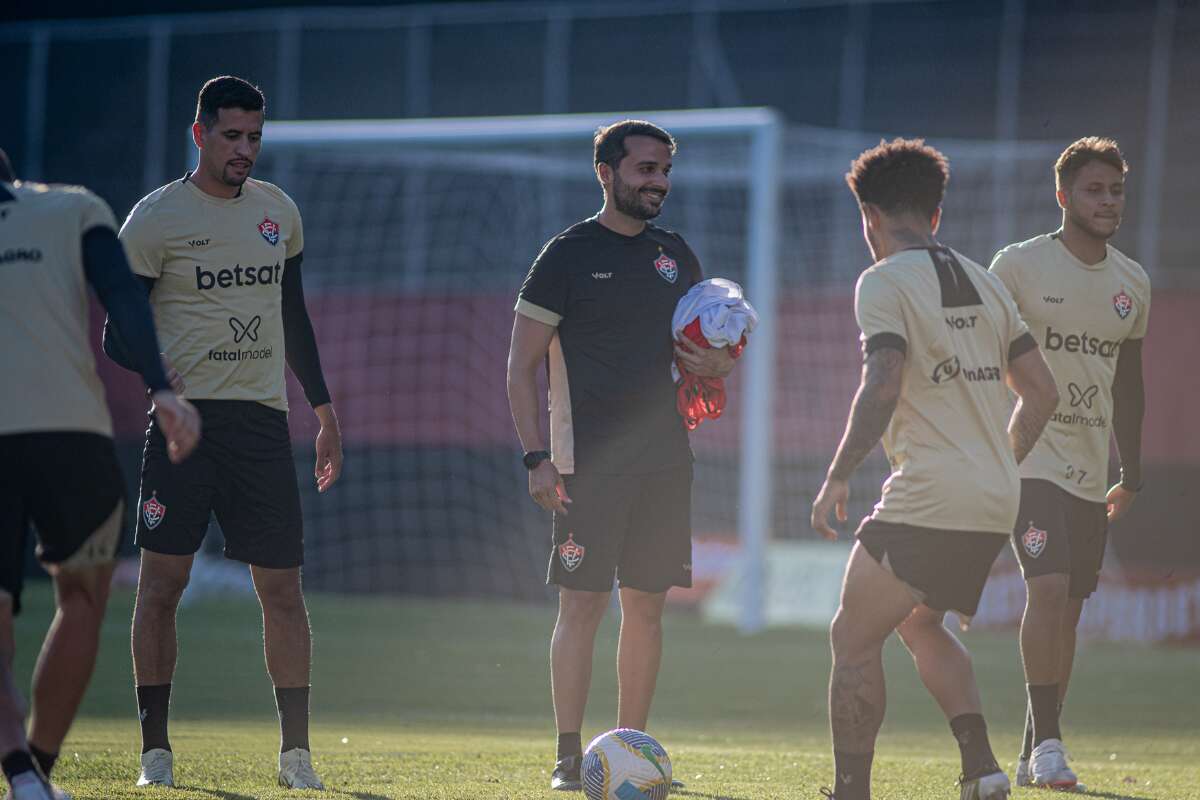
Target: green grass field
x: 439, y: 700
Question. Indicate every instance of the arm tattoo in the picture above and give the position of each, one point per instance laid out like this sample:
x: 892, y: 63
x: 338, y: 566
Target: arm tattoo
x: 1024, y: 429
x: 871, y: 410
x: 856, y: 704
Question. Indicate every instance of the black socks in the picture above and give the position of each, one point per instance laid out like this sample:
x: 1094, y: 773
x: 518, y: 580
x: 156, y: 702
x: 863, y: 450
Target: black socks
x: 16, y: 763
x: 569, y: 744
x: 45, y: 761
x: 154, y: 703
x: 977, y: 759
x: 293, y: 718
x: 1043, y: 712
x: 852, y: 775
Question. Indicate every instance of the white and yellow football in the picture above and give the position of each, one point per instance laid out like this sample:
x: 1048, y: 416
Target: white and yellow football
x: 626, y: 764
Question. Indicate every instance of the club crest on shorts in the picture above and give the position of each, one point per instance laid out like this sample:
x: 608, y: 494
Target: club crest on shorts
x: 153, y: 512
x: 571, y: 554
x: 1034, y: 541
x: 269, y: 230
x: 1122, y: 304
x: 666, y: 267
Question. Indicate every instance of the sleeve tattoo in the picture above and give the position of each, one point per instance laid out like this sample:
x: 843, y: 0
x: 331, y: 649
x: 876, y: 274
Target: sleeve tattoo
x: 871, y: 411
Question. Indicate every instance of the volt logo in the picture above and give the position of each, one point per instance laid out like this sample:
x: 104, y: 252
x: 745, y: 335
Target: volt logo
x: 248, y: 330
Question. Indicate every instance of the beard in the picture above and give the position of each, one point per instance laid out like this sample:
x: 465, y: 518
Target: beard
x: 231, y: 177
x: 631, y: 202
x: 1090, y: 227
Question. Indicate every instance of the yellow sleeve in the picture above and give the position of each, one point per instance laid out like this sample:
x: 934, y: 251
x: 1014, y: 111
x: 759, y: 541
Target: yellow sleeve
x: 143, y: 243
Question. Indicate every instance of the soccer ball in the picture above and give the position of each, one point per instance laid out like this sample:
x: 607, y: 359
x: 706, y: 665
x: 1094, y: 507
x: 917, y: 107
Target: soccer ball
x: 625, y: 764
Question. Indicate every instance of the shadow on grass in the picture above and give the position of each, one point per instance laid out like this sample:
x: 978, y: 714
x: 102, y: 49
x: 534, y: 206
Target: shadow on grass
x: 704, y: 796
x: 1112, y: 796
x: 365, y: 796
x: 220, y: 795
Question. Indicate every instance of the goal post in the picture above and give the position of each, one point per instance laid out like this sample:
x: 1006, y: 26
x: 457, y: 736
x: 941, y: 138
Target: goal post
x: 734, y: 150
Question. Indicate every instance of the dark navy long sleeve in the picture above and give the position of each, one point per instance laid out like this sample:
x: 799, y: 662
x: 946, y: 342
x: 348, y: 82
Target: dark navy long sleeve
x: 299, y: 341
x: 129, y: 336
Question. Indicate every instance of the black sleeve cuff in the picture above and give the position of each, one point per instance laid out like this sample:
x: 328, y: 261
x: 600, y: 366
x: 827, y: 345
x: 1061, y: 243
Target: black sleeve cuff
x: 1021, y: 345
x: 880, y: 340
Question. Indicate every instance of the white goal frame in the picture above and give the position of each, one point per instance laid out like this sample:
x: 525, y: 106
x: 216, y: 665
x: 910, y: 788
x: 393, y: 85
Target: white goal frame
x: 764, y: 130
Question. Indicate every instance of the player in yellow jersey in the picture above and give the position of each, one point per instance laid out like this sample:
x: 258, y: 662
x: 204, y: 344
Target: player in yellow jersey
x: 943, y: 342
x: 58, y: 469
x: 1089, y: 305
x: 221, y: 254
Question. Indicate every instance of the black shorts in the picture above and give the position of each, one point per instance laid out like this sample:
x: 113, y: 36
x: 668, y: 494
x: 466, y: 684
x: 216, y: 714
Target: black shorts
x: 1058, y: 533
x: 242, y: 471
x: 638, y: 527
x: 69, y: 486
x: 947, y: 569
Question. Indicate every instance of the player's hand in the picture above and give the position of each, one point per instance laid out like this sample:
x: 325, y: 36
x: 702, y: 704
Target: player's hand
x: 707, y: 362
x: 180, y: 423
x: 173, y: 377
x: 1119, y: 500
x: 833, y: 496
x: 547, y: 489
x: 329, y: 448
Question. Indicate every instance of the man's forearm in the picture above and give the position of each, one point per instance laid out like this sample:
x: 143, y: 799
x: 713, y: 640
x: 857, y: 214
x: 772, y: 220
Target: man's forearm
x: 1025, y: 427
x: 522, y: 401
x: 872, y: 410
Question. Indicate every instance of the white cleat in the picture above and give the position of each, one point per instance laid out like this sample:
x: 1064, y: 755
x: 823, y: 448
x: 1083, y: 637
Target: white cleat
x: 1023, y: 778
x: 296, y: 770
x: 1048, y: 767
x: 158, y: 768
x: 30, y: 786
x: 987, y: 787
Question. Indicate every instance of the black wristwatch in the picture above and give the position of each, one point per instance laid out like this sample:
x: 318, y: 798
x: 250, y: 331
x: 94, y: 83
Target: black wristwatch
x: 534, y: 457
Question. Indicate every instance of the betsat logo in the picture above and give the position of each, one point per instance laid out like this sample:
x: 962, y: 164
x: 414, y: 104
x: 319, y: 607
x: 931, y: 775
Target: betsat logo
x: 238, y: 276
x: 1080, y: 343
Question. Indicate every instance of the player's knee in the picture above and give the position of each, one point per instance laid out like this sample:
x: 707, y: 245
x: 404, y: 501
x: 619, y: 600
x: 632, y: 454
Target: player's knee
x: 83, y: 594
x: 841, y: 635
x: 161, y: 592
x: 1049, y: 591
x: 582, y: 609
x: 281, y: 596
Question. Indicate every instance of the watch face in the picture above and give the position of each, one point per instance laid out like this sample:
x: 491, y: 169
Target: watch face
x: 536, y: 457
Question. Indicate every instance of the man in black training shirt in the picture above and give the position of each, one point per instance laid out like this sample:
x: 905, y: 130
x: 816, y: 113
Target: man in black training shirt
x: 597, y: 307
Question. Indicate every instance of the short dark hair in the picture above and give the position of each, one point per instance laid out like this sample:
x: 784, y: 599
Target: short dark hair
x: 609, y: 141
x: 903, y: 175
x: 6, y: 170
x: 227, y: 92
x: 1083, y: 151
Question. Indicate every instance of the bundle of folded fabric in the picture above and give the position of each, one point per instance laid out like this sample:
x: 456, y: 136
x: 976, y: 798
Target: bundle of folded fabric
x: 713, y: 314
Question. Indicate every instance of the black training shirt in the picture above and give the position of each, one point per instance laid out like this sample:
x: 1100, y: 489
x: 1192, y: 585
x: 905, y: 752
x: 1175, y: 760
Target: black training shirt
x: 612, y: 400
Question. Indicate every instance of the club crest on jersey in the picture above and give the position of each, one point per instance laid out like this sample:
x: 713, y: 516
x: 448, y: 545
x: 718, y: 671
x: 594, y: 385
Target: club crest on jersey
x: 571, y: 554
x: 667, y: 268
x: 269, y: 230
x: 153, y: 512
x: 1123, y: 304
x: 1034, y: 541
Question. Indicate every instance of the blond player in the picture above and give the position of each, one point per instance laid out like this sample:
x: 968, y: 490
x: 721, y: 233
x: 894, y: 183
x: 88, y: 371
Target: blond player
x: 1088, y: 304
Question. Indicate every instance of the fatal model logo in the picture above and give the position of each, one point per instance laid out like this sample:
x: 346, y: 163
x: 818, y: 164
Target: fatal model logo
x: 248, y: 330
x: 1122, y: 304
x: 666, y: 267
x: 571, y: 554
x: 269, y: 230
x: 1034, y: 541
x: 153, y: 512
x: 947, y: 370
x: 1082, y: 397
